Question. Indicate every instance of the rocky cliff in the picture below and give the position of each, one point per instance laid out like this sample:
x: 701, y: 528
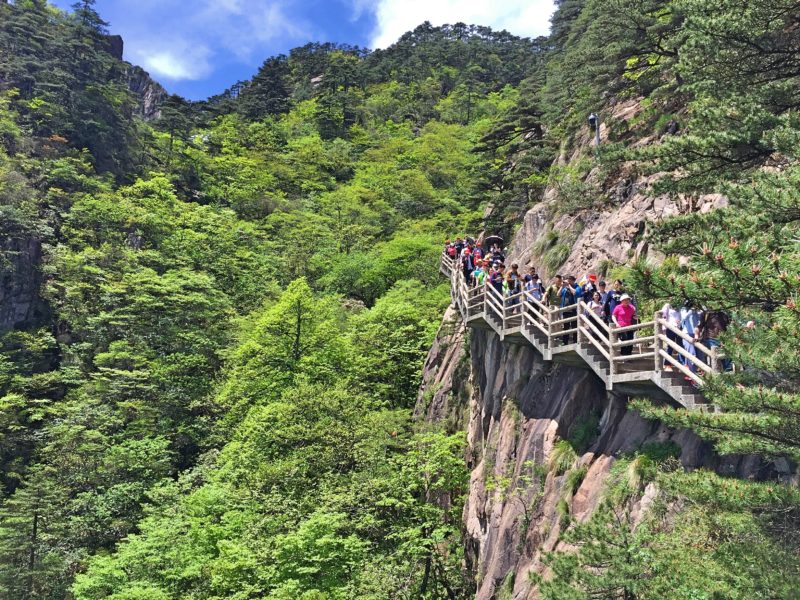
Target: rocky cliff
x: 514, y: 407
x: 20, y: 279
x: 149, y: 93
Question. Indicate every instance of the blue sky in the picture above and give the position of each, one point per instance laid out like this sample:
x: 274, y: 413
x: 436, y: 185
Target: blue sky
x: 200, y: 48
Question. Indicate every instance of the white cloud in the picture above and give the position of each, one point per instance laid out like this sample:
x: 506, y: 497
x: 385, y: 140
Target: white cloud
x: 184, y: 62
x: 243, y: 26
x: 521, y: 17
x: 182, y: 41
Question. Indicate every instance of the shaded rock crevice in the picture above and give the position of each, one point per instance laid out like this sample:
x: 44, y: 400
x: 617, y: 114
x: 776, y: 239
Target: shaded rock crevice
x: 21, y: 305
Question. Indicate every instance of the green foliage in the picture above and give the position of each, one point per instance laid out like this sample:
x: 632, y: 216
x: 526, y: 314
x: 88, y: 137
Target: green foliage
x: 714, y: 547
x: 213, y: 399
x: 562, y: 457
x: 584, y: 431
x: 575, y: 478
x: 575, y: 188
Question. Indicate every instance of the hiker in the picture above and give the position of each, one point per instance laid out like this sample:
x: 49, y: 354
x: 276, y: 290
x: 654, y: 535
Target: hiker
x: 497, y: 254
x: 477, y: 252
x: 589, y: 287
x: 673, y: 318
x: 496, y: 277
x: 552, y: 295
x: 533, y: 285
x: 613, y: 299
x: 511, y: 287
x: 514, y: 273
x: 624, y: 315
x: 459, y: 245
x: 569, y: 294
x: 601, y: 287
x: 690, y: 319
x: 533, y: 290
x: 712, y: 325
x: 479, y: 274
x: 467, y: 263
x: 595, y: 306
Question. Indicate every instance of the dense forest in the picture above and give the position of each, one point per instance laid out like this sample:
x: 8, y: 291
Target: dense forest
x: 214, y: 322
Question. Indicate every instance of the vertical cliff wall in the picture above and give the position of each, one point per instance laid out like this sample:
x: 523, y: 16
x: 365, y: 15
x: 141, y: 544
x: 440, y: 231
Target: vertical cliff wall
x: 514, y: 406
x: 20, y: 279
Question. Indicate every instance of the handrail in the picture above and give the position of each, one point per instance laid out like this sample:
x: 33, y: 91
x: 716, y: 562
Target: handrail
x: 592, y: 315
x: 511, y: 316
x: 697, y: 344
x: 634, y: 327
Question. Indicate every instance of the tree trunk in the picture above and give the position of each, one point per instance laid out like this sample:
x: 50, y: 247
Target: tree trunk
x: 32, y: 553
x: 296, y: 346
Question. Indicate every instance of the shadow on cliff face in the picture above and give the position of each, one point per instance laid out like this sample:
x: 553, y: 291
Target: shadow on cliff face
x: 21, y: 305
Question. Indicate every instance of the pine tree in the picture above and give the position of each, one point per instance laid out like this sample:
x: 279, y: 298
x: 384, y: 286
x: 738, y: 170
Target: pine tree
x: 32, y: 563
x: 744, y: 259
x: 268, y: 92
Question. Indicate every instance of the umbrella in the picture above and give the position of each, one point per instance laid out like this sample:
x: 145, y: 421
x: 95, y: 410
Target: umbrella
x: 470, y: 240
x: 493, y: 239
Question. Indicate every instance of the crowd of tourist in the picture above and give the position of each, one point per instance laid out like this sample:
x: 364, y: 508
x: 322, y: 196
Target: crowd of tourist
x: 613, y: 306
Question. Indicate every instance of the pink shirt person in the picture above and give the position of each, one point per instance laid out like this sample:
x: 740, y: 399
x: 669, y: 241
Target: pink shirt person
x: 624, y: 313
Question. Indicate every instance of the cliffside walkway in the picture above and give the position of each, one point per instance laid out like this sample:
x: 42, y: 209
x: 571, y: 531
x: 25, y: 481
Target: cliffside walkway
x: 586, y: 341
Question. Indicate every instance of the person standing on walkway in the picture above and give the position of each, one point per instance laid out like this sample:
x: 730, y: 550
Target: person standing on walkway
x: 595, y: 306
x: 624, y: 315
x: 673, y: 318
x: 496, y: 277
x: 613, y: 299
x: 570, y: 294
x: 533, y: 285
x: 589, y: 288
x: 601, y: 287
x: 712, y: 325
x: 552, y: 295
x: 690, y: 319
x: 511, y: 287
x: 479, y: 274
x: 467, y: 263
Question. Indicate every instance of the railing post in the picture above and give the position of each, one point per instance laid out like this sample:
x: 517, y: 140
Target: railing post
x: 612, y: 352
x: 657, y: 360
x: 714, y: 360
x: 581, y: 308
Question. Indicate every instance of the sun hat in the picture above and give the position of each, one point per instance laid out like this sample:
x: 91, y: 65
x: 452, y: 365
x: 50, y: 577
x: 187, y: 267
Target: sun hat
x: 624, y: 297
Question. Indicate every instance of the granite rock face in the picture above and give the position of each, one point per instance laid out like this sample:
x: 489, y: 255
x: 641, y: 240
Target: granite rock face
x: 20, y: 279
x: 613, y: 229
x: 515, y: 407
x: 149, y: 93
